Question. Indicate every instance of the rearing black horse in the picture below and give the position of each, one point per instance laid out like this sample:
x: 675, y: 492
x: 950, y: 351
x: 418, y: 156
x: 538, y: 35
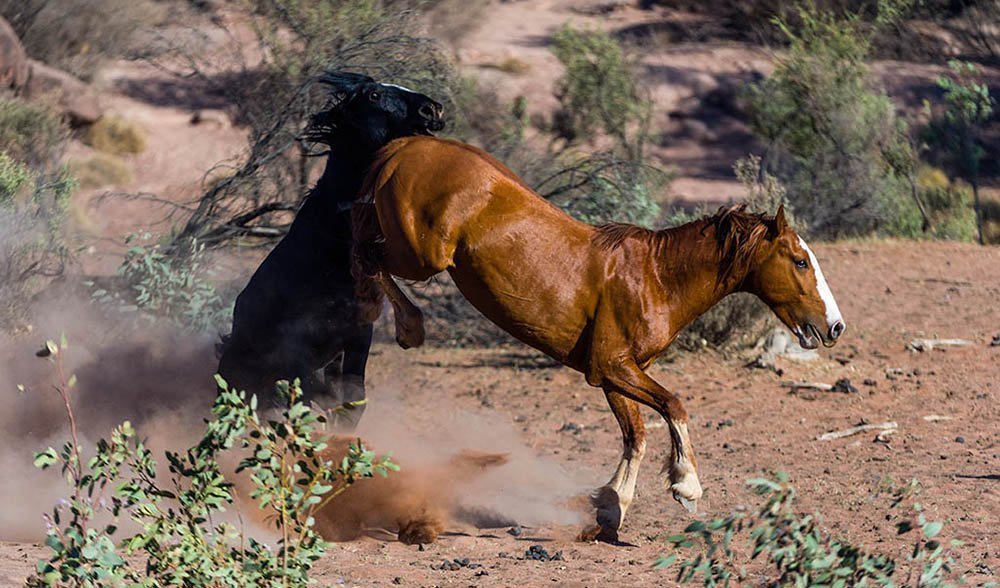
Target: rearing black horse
x: 298, y: 316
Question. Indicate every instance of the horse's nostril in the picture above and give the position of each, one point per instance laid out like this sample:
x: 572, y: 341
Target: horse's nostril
x: 837, y: 329
x: 427, y: 110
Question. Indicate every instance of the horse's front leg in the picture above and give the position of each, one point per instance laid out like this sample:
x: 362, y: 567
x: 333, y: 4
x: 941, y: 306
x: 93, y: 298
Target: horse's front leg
x: 613, y: 499
x: 408, y: 318
x: 682, y: 467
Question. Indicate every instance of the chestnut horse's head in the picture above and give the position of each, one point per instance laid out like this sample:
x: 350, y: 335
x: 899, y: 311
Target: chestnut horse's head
x: 366, y: 114
x: 787, y: 277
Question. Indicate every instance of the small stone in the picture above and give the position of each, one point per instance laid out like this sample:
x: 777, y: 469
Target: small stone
x: 960, y: 439
x: 397, y: 580
x: 515, y: 531
x: 870, y: 382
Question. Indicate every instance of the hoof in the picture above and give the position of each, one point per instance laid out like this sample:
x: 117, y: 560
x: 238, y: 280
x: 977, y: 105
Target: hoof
x: 598, y: 533
x: 410, y: 336
x: 687, y: 490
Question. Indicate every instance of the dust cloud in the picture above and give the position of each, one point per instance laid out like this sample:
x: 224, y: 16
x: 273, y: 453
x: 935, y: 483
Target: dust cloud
x: 458, y: 468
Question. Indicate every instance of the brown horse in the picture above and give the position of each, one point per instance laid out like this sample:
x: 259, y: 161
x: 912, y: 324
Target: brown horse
x: 604, y: 300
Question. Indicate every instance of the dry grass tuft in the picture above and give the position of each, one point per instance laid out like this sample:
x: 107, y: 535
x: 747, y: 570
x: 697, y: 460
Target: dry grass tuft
x: 115, y: 135
x: 99, y: 171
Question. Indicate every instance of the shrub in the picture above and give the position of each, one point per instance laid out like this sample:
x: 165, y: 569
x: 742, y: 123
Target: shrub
x: 180, y: 540
x: 79, y: 35
x: 949, y: 205
x: 297, y: 40
x: 174, y: 288
x: 801, y: 552
x: 34, y: 196
x: 599, y: 91
x: 31, y: 133
x: 956, y: 129
x: 834, y: 136
x: 99, y: 171
x: 117, y: 136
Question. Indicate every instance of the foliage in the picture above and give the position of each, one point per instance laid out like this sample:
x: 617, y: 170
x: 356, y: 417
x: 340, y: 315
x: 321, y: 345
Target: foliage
x: 169, y: 287
x: 831, y: 134
x: 179, y: 536
x: 296, y: 40
x: 599, y: 91
x: 949, y: 205
x: 800, y: 551
x: 115, y: 135
x: 79, y: 35
x: 34, y: 198
x: 99, y: 171
x: 957, y: 127
x: 31, y: 133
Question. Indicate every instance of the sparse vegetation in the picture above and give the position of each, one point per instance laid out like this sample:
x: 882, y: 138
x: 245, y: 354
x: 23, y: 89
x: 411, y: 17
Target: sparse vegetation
x: 168, y: 288
x: 956, y: 130
x: 800, y: 552
x: 832, y: 134
x: 79, y: 35
x: 181, y: 540
x: 34, y: 195
x: 116, y: 136
x: 99, y: 171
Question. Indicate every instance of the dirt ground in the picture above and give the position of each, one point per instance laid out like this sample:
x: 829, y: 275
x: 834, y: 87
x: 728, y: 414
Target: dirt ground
x: 743, y: 424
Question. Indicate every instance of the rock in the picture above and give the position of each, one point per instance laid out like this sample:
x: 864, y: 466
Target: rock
x: 78, y: 101
x: 13, y: 60
x: 844, y: 385
x: 211, y: 116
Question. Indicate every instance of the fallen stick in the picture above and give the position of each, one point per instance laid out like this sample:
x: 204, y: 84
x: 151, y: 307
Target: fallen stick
x: 855, y: 430
x: 933, y: 418
x: 807, y: 386
x: 928, y: 344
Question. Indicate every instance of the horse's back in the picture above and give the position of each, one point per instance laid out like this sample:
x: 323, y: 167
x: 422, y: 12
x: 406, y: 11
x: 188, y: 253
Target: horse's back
x: 521, y: 261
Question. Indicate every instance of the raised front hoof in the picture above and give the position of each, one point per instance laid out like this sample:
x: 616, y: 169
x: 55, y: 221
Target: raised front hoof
x: 410, y: 333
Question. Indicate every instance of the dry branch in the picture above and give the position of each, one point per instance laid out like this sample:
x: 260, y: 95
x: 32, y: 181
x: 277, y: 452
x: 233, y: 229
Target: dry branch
x: 855, y: 430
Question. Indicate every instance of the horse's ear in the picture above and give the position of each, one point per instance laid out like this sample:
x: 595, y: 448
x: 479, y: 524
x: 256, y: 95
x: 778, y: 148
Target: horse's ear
x: 780, y: 223
x: 343, y: 81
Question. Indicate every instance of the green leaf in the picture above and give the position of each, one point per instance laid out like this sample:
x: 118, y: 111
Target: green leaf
x: 932, y: 529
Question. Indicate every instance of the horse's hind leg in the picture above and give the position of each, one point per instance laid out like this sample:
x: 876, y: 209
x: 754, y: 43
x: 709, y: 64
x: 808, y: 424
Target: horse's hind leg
x: 613, y: 499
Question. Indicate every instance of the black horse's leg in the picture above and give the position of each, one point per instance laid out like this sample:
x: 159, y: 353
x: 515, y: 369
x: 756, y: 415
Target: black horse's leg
x: 352, y: 378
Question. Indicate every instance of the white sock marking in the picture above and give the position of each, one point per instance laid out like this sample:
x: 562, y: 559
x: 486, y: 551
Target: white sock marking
x: 832, y: 310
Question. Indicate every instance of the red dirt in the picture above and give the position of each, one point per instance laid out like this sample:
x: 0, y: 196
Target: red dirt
x: 890, y: 292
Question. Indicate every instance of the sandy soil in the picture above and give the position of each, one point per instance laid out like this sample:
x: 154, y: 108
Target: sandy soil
x: 743, y: 424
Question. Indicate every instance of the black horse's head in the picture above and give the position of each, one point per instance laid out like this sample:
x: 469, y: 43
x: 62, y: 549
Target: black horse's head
x: 368, y: 114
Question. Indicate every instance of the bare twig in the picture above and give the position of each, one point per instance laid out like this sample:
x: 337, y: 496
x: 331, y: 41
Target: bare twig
x: 855, y: 430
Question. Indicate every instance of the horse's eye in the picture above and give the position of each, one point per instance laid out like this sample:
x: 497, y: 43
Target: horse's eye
x: 801, y: 264
x: 374, y: 96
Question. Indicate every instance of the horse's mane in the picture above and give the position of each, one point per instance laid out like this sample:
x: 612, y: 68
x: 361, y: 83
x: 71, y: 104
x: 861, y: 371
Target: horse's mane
x: 738, y: 235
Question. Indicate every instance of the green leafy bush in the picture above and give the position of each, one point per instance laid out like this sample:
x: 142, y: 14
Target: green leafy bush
x: 833, y: 135
x: 174, y: 288
x: 180, y: 539
x: 801, y: 553
x: 599, y: 91
x: 954, y: 131
x: 34, y: 198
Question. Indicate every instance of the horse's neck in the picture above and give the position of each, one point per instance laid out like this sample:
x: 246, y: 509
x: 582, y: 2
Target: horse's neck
x: 689, y: 263
x: 345, y: 170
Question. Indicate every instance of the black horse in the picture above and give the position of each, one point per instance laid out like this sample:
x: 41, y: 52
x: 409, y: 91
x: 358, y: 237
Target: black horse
x: 298, y: 316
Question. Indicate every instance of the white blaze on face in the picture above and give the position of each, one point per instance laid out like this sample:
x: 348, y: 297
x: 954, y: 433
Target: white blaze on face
x: 832, y: 310
x: 398, y: 87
